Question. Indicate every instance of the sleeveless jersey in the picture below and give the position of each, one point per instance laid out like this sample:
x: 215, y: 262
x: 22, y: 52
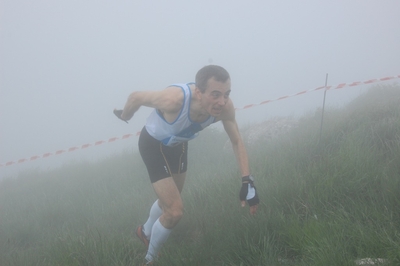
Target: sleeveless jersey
x: 182, y: 129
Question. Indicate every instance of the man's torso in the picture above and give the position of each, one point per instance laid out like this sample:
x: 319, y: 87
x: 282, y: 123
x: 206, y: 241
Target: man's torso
x: 178, y: 126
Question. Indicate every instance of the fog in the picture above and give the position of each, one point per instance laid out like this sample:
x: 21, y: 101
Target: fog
x: 65, y: 65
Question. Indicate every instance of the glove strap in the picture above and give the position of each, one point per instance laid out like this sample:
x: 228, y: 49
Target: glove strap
x: 248, y: 179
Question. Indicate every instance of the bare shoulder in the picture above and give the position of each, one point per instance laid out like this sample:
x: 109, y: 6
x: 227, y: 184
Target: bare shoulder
x: 229, y: 122
x: 168, y: 100
x: 173, y: 97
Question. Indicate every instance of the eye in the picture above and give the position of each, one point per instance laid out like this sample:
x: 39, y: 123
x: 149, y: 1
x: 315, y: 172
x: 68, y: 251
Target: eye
x: 215, y: 94
x: 226, y: 95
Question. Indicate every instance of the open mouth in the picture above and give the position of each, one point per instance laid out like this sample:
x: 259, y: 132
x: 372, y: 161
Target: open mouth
x: 218, y: 111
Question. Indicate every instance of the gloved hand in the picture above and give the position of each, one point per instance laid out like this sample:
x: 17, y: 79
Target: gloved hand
x: 248, y: 193
x: 118, y: 113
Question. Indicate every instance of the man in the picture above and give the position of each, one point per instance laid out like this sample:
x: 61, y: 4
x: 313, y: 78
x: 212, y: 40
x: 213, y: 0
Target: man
x: 180, y: 112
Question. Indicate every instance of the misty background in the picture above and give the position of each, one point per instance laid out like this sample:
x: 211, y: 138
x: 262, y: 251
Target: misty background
x: 65, y: 65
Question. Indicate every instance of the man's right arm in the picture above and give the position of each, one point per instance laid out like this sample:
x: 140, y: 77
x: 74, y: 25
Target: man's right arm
x: 135, y: 100
x: 164, y: 100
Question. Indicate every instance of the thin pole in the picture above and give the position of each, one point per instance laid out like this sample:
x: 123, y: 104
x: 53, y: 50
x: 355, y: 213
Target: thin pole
x: 323, y: 108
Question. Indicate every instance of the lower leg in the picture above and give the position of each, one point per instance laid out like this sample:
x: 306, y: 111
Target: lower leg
x: 170, y: 200
x: 155, y: 213
x: 160, y: 234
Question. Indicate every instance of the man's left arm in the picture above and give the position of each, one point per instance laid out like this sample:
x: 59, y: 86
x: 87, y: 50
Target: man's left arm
x: 248, y: 191
x: 239, y: 149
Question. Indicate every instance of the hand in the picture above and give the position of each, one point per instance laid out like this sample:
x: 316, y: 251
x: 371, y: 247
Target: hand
x: 248, y: 193
x: 118, y: 113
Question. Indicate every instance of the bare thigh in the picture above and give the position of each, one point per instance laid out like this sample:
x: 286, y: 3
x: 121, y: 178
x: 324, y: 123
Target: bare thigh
x: 179, y: 180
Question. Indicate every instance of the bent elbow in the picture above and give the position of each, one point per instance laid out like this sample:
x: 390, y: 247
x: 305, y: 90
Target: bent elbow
x: 133, y: 97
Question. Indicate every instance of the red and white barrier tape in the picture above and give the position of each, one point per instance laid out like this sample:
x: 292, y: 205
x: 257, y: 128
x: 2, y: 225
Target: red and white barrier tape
x: 340, y: 86
x: 74, y: 148
x: 84, y: 146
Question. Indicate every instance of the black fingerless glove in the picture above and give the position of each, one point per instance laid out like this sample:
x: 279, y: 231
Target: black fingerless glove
x: 248, y: 191
x: 118, y: 113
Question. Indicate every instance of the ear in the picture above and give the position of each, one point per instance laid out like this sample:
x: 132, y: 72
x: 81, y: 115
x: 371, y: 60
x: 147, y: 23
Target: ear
x: 197, y: 93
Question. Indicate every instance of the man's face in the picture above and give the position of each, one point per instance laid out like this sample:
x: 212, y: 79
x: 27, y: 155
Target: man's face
x: 216, y: 96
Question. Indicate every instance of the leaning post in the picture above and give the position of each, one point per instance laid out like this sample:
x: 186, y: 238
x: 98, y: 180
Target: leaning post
x: 323, y: 108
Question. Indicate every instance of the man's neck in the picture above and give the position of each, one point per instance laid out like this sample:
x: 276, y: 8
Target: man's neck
x: 197, y: 112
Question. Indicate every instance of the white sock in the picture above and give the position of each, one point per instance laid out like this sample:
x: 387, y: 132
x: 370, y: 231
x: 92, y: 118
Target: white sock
x: 155, y: 213
x: 159, y: 234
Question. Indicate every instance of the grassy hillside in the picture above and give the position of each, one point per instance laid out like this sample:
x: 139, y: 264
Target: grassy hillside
x: 327, y: 201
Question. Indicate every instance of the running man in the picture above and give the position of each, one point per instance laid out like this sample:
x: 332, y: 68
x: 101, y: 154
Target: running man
x: 180, y: 112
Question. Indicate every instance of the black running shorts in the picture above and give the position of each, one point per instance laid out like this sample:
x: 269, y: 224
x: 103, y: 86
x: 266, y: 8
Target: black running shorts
x: 162, y: 161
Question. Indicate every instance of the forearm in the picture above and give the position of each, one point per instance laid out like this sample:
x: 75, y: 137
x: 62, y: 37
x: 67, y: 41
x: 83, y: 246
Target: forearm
x: 241, y: 156
x: 131, y: 106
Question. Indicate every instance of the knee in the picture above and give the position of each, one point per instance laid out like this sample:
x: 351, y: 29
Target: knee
x: 174, y: 215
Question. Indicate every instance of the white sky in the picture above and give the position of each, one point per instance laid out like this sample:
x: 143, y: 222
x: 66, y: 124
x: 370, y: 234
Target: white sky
x: 65, y: 65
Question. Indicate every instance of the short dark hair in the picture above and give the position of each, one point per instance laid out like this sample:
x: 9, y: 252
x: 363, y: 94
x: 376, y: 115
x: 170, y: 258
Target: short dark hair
x: 208, y: 72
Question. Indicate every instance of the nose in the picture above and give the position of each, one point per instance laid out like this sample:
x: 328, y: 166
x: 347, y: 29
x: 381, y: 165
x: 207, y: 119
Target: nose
x: 222, y: 101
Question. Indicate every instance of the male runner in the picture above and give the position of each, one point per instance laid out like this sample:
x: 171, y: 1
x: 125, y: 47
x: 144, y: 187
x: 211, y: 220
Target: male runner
x: 180, y: 112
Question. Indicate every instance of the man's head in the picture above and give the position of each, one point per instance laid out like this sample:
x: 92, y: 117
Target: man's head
x: 211, y: 71
x: 213, y: 86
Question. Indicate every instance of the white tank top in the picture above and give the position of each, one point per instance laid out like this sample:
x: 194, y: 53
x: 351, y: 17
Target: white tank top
x: 182, y: 129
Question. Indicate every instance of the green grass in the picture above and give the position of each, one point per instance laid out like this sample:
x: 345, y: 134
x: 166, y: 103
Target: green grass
x: 323, y: 202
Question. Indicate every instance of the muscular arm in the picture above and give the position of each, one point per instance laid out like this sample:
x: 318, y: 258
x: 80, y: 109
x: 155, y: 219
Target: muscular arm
x: 167, y: 100
x: 232, y: 129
